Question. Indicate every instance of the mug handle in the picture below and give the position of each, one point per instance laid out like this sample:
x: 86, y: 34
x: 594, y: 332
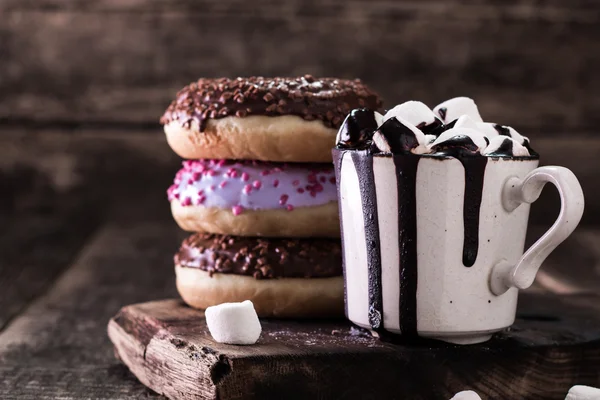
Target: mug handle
x: 517, y: 191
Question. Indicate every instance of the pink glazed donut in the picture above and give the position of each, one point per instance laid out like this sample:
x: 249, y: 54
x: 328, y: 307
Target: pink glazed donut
x: 254, y: 198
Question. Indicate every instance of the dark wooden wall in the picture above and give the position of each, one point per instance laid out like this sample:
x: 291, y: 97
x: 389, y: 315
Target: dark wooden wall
x: 85, y: 223
x: 533, y: 64
x: 96, y: 76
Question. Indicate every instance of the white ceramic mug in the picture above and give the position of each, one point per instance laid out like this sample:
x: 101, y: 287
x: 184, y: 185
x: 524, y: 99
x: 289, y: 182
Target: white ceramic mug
x: 434, y: 247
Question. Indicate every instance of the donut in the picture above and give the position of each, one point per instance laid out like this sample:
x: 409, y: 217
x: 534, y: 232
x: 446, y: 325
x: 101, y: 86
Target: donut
x: 256, y: 118
x: 255, y: 198
x: 282, y: 277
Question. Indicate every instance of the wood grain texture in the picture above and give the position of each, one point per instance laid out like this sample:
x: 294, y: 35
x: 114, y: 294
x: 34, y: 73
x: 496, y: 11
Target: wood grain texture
x: 553, y: 346
x: 113, y: 166
x: 529, y: 64
x: 57, y: 347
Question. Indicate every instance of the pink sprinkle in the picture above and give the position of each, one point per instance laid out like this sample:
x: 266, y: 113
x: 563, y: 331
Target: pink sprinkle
x: 176, y: 195
x: 318, y: 188
x: 212, y: 188
x: 276, y: 182
x: 232, y: 172
x: 296, y: 182
x: 187, y: 164
x: 211, y: 172
x: 200, y: 192
x: 201, y: 199
x: 290, y: 207
x: 257, y: 184
x: 265, y: 172
x: 312, y: 178
x: 313, y: 194
x: 190, y: 181
x: 245, y: 176
x: 247, y: 189
x: 221, y: 163
x: 237, y: 210
x: 276, y: 169
x: 196, y: 175
x: 283, y: 199
x: 300, y: 190
x: 187, y: 201
x: 222, y: 184
x: 332, y: 180
x: 323, y: 179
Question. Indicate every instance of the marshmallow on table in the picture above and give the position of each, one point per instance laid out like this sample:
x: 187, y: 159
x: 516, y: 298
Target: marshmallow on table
x: 233, y: 323
x: 454, y: 108
x: 466, y: 395
x: 581, y: 392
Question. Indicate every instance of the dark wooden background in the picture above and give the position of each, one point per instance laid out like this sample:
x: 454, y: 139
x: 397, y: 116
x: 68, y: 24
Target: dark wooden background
x: 85, y: 225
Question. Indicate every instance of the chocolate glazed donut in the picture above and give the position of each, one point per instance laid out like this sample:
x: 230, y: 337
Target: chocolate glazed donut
x: 282, y: 277
x: 261, y: 258
x: 268, y: 119
x: 325, y: 99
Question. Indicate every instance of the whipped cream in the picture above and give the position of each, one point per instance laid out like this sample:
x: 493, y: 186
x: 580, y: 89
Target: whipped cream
x: 452, y: 128
x: 253, y: 185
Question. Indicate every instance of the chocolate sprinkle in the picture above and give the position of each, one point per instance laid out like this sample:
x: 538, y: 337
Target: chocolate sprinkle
x: 325, y: 99
x: 262, y: 258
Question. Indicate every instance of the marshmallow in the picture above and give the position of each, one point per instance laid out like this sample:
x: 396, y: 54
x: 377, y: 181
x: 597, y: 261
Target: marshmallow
x: 378, y: 118
x: 460, y: 138
x: 464, y: 121
x: 357, y: 128
x: 452, y: 109
x: 466, y: 395
x: 417, y: 114
x: 488, y: 129
x: 517, y: 136
x: 491, y: 130
x: 580, y: 392
x: 505, y: 146
x: 398, y: 136
x: 233, y: 323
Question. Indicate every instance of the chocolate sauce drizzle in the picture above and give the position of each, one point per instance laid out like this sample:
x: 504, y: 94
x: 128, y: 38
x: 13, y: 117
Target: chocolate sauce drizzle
x: 464, y: 150
x: 406, y: 175
x: 337, y: 164
x: 474, y: 175
x: 363, y: 162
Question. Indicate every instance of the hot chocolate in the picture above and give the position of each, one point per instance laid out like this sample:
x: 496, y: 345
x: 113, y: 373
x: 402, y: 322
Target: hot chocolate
x: 423, y: 220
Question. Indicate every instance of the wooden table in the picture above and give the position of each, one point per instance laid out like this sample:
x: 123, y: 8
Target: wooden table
x: 88, y: 230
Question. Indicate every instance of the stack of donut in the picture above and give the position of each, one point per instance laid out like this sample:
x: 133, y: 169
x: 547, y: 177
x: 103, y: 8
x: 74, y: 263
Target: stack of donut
x: 258, y: 190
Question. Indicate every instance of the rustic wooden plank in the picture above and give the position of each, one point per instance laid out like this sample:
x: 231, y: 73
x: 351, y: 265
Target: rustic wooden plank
x: 126, y: 165
x: 552, y: 346
x: 59, y: 343
x: 114, y: 168
x: 144, y: 51
x: 56, y: 189
x: 574, y: 267
x: 578, y: 10
x: 40, y: 243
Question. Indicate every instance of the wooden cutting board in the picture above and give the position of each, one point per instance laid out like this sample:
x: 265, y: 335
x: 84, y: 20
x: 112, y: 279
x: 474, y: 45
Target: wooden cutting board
x: 554, y: 345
